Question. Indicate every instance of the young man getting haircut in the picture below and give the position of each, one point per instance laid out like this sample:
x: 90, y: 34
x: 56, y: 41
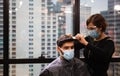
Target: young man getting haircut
x: 66, y: 64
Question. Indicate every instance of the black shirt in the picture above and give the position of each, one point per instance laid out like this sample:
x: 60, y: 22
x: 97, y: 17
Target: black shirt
x: 98, y: 55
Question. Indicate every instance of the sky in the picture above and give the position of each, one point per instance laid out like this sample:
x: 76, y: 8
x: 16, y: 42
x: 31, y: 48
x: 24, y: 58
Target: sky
x: 97, y: 5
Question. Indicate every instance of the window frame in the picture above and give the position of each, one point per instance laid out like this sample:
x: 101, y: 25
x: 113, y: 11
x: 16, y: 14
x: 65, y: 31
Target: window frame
x: 6, y: 61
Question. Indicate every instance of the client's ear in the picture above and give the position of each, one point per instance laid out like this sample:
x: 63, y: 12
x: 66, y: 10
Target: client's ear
x: 58, y: 49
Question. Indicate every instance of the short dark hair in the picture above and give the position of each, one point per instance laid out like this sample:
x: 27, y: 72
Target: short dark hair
x: 98, y: 20
x: 63, y: 39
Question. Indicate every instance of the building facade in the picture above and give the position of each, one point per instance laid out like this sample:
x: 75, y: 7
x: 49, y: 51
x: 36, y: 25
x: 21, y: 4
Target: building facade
x: 1, y: 35
x: 113, y: 18
x: 33, y: 32
x: 34, y: 28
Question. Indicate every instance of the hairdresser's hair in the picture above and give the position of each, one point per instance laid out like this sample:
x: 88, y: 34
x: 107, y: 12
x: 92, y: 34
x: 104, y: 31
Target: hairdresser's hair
x: 98, y: 20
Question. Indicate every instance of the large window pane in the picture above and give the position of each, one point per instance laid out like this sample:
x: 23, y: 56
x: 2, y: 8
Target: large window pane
x: 89, y: 7
x: 26, y: 69
x: 35, y: 26
x: 114, y: 69
x: 35, y: 69
x: 1, y: 29
x: 1, y: 36
x: 1, y: 70
x: 110, y: 9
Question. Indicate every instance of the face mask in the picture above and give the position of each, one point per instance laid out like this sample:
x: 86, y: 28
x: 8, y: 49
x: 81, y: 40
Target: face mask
x: 68, y: 54
x: 93, y: 33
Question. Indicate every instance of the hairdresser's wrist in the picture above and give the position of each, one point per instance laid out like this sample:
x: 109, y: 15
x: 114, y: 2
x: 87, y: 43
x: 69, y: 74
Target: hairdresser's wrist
x: 85, y: 43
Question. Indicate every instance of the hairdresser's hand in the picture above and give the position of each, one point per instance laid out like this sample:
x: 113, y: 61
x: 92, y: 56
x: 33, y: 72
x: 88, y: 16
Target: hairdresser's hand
x: 81, y: 39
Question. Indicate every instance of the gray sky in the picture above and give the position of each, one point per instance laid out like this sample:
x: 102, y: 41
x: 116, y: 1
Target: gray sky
x: 97, y: 6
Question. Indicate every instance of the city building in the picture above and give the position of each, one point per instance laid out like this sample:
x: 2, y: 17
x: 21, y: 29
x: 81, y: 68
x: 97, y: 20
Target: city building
x: 1, y: 35
x: 113, y: 18
x: 85, y: 12
x: 35, y: 25
x: 33, y: 32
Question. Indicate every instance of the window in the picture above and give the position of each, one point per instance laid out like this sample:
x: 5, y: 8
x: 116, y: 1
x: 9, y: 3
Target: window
x: 107, y: 10
x: 30, y: 52
x: 30, y: 43
x: 30, y: 4
x: 31, y: 0
x: 24, y: 47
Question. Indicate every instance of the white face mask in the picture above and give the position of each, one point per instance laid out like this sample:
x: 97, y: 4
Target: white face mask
x: 68, y: 54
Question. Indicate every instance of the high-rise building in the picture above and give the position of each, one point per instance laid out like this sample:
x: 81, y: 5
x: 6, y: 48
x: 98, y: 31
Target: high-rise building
x: 1, y: 29
x: 66, y: 2
x: 34, y: 29
x: 85, y: 12
x: 33, y: 32
x: 1, y: 36
x: 113, y: 18
x: 12, y: 35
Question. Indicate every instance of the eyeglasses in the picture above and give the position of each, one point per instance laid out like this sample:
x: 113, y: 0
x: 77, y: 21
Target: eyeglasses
x: 91, y: 27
